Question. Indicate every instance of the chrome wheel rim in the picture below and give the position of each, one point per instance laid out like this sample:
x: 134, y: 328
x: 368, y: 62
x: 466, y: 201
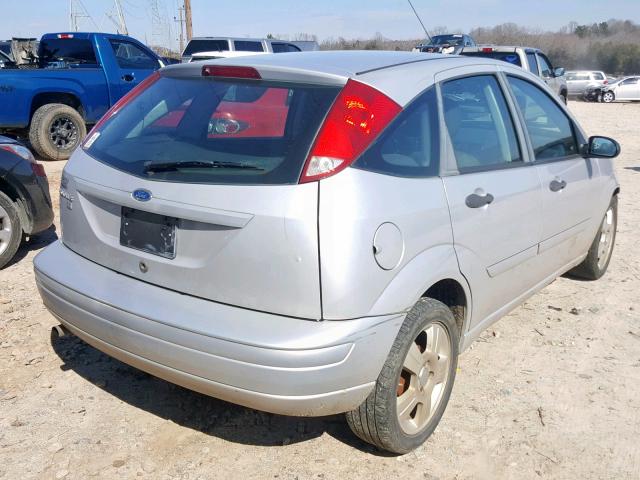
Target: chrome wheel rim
x: 424, y: 378
x: 607, y: 97
x: 6, y: 230
x: 63, y: 133
x: 605, y: 246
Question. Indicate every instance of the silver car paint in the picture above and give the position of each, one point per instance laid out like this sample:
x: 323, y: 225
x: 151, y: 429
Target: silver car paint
x: 223, y: 347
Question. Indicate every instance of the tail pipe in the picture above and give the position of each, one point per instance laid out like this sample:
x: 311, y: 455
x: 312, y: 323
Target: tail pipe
x: 59, y: 331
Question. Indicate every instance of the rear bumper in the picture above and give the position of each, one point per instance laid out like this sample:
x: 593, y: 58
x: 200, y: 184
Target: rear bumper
x: 264, y: 361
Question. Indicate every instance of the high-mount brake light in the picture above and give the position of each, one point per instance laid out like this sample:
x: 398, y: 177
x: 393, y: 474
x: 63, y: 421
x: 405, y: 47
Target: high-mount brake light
x: 487, y: 50
x: 137, y: 90
x: 230, y: 71
x: 356, y: 118
x: 65, y: 35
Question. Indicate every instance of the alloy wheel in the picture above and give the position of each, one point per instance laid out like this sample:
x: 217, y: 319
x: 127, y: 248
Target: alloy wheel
x: 6, y: 230
x: 606, y: 238
x: 423, y: 379
x: 63, y: 132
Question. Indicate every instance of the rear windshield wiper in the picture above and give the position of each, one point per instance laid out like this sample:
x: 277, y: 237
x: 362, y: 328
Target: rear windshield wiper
x: 175, y: 166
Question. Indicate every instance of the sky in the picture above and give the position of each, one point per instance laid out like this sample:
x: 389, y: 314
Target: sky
x: 324, y: 18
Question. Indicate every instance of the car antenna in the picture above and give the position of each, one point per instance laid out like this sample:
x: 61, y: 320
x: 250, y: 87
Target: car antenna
x: 420, y: 20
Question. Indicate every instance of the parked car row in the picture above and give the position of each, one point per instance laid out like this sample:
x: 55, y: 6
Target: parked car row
x: 623, y: 89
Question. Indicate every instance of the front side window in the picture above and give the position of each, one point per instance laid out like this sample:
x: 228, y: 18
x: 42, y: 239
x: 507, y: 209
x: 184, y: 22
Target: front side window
x: 248, y: 46
x: 629, y: 81
x: 409, y: 147
x: 479, y: 124
x: 549, y: 128
x: 129, y: 55
x: 545, y: 66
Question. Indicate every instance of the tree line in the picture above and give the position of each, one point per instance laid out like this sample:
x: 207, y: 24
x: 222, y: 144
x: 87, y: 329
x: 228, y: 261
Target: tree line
x: 612, y: 46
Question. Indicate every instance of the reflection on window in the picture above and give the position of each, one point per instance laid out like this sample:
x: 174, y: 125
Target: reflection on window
x: 479, y: 124
x: 549, y: 127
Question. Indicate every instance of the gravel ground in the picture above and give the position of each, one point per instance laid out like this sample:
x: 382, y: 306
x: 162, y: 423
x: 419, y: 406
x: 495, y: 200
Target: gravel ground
x: 551, y: 391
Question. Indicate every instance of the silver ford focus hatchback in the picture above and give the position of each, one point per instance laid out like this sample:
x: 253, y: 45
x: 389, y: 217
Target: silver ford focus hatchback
x: 324, y: 232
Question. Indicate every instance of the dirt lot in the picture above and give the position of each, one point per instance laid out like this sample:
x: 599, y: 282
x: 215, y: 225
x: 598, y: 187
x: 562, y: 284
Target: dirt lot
x: 552, y: 390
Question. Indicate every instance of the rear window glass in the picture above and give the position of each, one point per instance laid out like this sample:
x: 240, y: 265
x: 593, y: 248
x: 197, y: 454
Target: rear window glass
x: 201, y: 130
x: 68, y: 50
x: 509, y: 57
x: 196, y: 46
x: 598, y: 76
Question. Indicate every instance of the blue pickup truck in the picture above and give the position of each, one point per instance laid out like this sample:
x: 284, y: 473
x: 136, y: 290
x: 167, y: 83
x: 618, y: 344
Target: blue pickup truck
x: 79, y: 76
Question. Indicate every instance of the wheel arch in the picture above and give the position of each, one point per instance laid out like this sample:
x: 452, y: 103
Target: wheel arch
x: 433, y: 273
x: 17, y: 197
x: 65, y: 98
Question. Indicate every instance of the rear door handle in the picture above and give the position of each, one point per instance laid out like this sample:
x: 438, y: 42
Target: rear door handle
x: 476, y: 201
x: 128, y: 77
x: 557, y: 185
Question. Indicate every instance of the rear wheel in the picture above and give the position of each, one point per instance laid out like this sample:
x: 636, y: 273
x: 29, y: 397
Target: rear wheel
x: 10, y: 230
x: 56, y: 130
x: 413, y: 389
x: 595, y: 264
x: 608, y: 97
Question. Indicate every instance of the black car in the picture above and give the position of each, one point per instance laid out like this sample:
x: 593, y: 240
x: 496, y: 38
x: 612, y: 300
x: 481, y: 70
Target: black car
x: 449, y: 43
x: 25, y: 203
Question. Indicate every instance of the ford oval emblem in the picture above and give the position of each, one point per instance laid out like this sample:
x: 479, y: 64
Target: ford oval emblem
x: 142, y: 195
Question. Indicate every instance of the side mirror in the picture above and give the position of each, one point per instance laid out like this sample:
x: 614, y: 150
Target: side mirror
x: 604, y: 147
x: 558, y: 72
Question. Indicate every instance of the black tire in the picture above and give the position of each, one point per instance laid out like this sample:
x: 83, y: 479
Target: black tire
x: 9, y: 247
x: 376, y: 420
x: 56, y: 130
x: 591, y: 268
x: 608, y: 97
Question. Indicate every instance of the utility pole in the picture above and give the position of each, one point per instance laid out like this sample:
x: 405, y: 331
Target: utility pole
x: 187, y: 18
x: 78, y: 10
x: 180, y: 20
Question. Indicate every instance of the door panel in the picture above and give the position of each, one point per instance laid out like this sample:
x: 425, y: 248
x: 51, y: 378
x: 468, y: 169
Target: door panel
x: 133, y: 64
x: 567, y: 179
x: 494, y: 201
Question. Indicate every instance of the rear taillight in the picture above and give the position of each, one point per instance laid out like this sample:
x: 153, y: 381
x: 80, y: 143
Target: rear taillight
x: 230, y: 71
x: 487, y: 50
x: 65, y: 35
x: 357, y: 117
x: 24, y: 153
x: 137, y: 90
x: 606, y: 82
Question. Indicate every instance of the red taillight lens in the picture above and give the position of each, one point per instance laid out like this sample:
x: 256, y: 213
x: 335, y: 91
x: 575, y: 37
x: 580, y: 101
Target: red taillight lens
x: 230, y: 71
x: 65, y: 35
x: 137, y: 90
x: 487, y: 50
x: 357, y: 117
x: 606, y: 82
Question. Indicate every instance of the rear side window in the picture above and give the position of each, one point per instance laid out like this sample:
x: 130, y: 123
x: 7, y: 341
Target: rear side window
x: 196, y: 46
x: 533, y: 62
x: 284, y: 48
x: 479, y: 123
x: 69, y: 50
x: 549, y: 128
x: 130, y: 55
x: 409, y: 147
x: 247, y: 46
x: 204, y: 130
